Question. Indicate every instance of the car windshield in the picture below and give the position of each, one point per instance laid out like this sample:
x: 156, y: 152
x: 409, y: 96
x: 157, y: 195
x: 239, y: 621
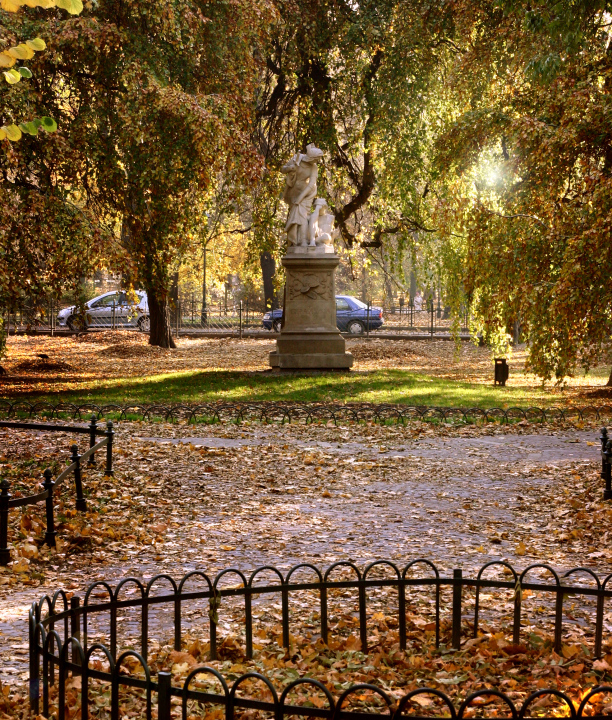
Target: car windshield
x: 106, y: 300
x: 358, y: 303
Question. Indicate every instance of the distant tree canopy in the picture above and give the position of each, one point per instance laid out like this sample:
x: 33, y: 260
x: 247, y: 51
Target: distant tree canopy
x: 474, y: 135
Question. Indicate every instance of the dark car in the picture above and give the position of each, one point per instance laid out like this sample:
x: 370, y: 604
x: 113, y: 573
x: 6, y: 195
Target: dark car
x: 351, y: 316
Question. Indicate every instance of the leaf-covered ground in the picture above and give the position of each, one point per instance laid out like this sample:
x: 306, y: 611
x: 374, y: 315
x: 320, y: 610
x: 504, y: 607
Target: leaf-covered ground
x: 119, y: 366
x: 216, y: 496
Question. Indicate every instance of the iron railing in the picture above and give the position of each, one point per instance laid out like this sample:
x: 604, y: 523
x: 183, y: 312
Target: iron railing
x: 51, y: 486
x: 236, y: 318
x: 49, y: 647
x: 288, y: 412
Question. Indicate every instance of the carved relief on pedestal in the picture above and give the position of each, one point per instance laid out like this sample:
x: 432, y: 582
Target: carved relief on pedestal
x: 311, y: 285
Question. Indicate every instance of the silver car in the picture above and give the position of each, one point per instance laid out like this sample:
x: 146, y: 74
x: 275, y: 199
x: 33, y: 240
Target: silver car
x: 113, y: 309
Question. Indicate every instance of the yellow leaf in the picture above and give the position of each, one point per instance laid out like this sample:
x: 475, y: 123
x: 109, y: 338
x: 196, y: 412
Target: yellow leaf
x: 12, y: 76
x: 6, y: 60
x: 39, y: 3
x: 227, y: 547
x: 74, y: 7
x: 568, y: 651
x: 21, y: 52
x: 521, y: 549
x: 10, y: 5
x: 2, y: 133
x: 36, y: 44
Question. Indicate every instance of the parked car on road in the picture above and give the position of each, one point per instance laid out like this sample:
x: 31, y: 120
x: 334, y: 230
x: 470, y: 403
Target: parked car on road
x: 351, y: 316
x: 112, y: 309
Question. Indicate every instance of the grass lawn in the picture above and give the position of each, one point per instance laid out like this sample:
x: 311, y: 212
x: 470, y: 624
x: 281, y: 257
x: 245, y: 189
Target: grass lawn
x: 119, y: 367
x: 378, y: 386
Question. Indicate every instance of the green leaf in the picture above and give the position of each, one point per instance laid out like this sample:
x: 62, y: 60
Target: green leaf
x: 13, y: 133
x: 74, y: 7
x: 25, y: 72
x: 48, y: 124
x: 30, y: 128
x: 36, y: 44
x: 12, y: 76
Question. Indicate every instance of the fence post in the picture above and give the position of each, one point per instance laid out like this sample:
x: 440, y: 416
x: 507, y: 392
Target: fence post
x: 110, y: 434
x: 34, y: 667
x: 5, y: 496
x: 368, y: 320
x: 81, y: 504
x: 607, y: 494
x: 113, y: 324
x: 93, y: 428
x: 603, y: 439
x: 51, y: 532
x: 240, y: 319
x: 164, y: 680
x: 178, y: 317
x: 432, y: 313
x: 457, y: 588
x: 75, y: 625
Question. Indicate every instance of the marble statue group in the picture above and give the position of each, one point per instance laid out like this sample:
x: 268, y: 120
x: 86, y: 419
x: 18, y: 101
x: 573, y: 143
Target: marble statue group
x: 306, y: 225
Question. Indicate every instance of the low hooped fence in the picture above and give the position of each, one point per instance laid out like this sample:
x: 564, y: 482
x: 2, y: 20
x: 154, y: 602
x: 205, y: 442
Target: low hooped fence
x: 50, y: 486
x: 287, y: 412
x: 47, y: 645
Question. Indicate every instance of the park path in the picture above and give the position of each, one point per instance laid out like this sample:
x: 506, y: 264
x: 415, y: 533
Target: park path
x: 460, y: 501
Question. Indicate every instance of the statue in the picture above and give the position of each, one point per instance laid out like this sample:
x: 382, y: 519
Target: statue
x: 300, y: 191
x: 320, y: 225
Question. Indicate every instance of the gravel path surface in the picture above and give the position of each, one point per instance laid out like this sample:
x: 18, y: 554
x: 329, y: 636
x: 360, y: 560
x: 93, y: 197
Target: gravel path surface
x: 273, y: 495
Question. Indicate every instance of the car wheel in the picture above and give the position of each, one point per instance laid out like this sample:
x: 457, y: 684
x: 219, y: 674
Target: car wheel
x: 277, y: 325
x: 355, y: 327
x: 76, y: 323
x: 144, y: 324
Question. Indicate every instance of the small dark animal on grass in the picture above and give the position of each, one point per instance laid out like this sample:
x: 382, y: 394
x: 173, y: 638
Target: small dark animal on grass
x: 42, y: 356
x: 3, y: 371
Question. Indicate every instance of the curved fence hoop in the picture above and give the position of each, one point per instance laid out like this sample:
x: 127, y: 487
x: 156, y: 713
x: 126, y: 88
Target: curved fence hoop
x: 358, y: 688
x: 425, y: 691
x: 541, y: 693
x: 489, y: 692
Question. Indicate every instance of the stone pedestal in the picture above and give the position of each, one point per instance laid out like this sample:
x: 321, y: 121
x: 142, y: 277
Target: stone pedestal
x: 309, y: 338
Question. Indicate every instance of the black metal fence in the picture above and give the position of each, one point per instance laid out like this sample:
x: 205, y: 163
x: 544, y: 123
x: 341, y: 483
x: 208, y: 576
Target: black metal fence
x: 288, y: 412
x: 51, y: 647
x: 413, y: 319
x: 51, y: 486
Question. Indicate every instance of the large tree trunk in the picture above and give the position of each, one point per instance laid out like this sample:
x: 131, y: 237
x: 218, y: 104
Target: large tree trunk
x: 268, y: 270
x: 174, y: 299
x: 159, y: 312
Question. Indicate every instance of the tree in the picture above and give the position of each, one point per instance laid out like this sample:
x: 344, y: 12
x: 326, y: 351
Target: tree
x: 46, y: 242
x: 525, y: 203
x: 158, y: 96
x: 354, y: 78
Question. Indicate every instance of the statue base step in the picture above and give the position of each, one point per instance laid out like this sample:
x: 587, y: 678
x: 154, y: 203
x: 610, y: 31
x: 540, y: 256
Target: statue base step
x: 311, y: 361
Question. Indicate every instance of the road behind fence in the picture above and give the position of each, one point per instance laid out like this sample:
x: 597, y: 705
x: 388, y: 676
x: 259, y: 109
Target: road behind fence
x: 243, y: 319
